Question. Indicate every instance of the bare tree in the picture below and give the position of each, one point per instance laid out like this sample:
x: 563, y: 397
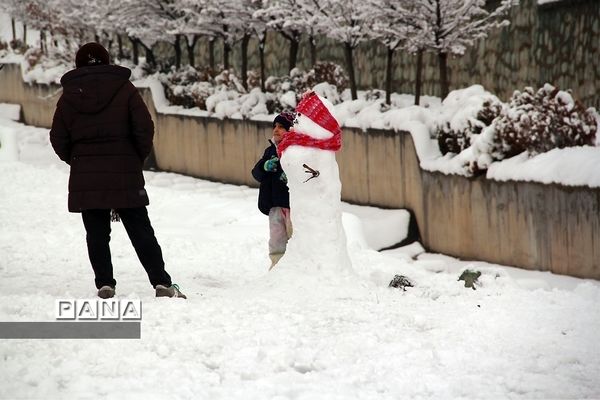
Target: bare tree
x: 17, y: 9
x: 259, y: 26
x: 451, y: 26
x: 344, y: 21
x: 219, y: 17
x: 395, y: 23
x: 281, y: 17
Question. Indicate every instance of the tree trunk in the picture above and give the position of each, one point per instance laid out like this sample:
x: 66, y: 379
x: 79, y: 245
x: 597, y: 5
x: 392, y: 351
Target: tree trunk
x: 313, y: 50
x: 42, y: 41
x: 135, y: 50
x: 261, y: 55
x: 110, y: 42
x: 245, y: 41
x: 150, y: 59
x: 96, y: 38
x: 190, y: 49
x: 418, y: 80
x: 14, y: 30
x: 226, y: 48
x: 25, y: 34
x: 226, y: 51
x: 120, y: 43
x: 177, y: 46
x: 350, y: 65
x: 294, y: 44
x: 443, y: 59
x: 211, y: 54
x: 388, y: 76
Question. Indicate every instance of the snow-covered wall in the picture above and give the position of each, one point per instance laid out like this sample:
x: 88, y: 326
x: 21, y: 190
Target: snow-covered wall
x: 530, y: 225
x: 37, y: 101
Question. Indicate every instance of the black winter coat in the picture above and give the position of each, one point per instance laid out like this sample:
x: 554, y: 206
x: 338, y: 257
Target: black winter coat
x: 273, y: 192
x: 103, y: 130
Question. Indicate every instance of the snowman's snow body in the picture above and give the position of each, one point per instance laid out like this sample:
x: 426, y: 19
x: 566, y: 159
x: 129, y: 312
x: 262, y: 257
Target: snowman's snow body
x: 318, y: 241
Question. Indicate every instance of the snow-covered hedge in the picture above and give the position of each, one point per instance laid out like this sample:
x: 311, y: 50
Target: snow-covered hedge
x: 479, y: 128
x: 189, y: 87
x: 14, y: 46
x: 464, y: 115
x: 540, y: 121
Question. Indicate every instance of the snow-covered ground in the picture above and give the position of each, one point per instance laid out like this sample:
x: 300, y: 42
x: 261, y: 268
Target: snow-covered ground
x: 248, y: 334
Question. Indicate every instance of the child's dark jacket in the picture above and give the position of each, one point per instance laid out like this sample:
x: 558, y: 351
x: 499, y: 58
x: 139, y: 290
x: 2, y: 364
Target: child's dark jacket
x: 273, y: 191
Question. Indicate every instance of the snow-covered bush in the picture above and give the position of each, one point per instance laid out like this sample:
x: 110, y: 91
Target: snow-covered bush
x: 188, y: 87
x: 33, y: 56
x: 253, y: 78
x: 540, y: 121
x: 465, y: 113
x: 46, y: 68
x: 227, y: 79
x: 479, y: 128
x: 327, y: 78
x: 299, y: 81
x: 453, y: 140
x: 189, y: 96
x: 328, y: 72
x: 4, y: 49
x: 18, y: 46
x: 188, y: 75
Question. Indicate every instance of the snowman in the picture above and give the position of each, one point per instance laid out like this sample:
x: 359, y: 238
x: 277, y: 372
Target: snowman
x: 307, y: 154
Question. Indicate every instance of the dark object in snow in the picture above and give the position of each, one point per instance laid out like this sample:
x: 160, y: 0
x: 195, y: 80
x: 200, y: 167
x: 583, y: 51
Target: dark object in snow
x: 400, y: 282
x: 470, y: 278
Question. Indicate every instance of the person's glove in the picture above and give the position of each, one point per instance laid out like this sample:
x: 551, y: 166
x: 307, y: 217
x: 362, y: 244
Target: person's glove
x: 283, y: 177
x: 271, y: 164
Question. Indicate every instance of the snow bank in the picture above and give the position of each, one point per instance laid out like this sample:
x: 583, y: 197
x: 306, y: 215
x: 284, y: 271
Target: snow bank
x: 9, y: 150
x: 10, y: 111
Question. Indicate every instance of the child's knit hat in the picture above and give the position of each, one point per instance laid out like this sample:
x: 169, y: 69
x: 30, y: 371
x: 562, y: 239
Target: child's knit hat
x: 286, y: 119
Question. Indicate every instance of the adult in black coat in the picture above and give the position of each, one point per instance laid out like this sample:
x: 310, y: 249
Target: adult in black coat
x: 273, y: 193
x: 103, y: 130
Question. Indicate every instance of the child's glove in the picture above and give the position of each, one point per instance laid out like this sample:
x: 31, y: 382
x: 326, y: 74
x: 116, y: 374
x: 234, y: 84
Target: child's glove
x: 283, y: 177
x: 271, y: 165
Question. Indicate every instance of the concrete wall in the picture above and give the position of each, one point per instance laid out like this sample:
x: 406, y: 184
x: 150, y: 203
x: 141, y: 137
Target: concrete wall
x: 535, y: 226
x: 529, y: 225
x: 37, y: 101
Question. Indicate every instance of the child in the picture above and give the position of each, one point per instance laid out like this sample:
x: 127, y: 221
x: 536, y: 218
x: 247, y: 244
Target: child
x: 273, y: 195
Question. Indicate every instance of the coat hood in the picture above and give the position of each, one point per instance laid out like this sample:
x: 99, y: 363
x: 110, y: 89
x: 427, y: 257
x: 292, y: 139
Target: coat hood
x: 90, y: 89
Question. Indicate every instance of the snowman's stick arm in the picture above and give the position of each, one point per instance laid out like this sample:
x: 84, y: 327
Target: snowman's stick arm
x: 314, y: 173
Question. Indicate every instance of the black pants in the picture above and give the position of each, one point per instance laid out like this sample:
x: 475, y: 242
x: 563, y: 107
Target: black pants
x: 140, y: 232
